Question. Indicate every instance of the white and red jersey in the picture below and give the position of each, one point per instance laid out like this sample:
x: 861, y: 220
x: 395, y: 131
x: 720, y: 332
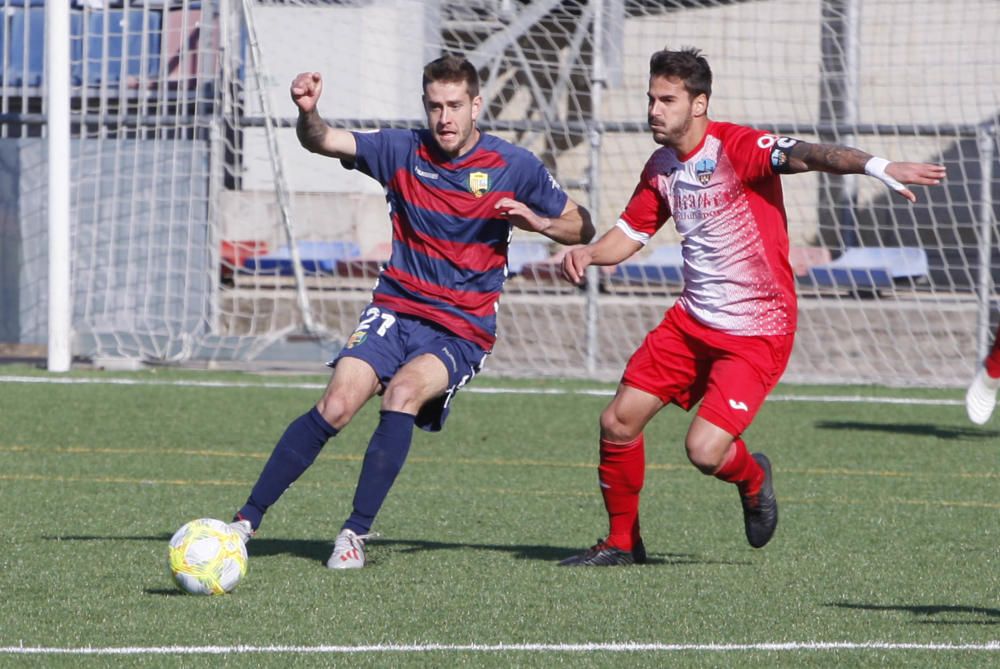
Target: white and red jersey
x: 725, y: 199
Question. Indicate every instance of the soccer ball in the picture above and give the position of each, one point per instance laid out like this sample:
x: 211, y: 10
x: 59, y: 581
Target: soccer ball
x: 207, y: 557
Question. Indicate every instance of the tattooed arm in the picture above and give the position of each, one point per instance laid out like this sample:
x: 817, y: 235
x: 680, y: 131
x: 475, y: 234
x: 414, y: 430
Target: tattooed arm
x: 806, y: 157
x: 835, y: 159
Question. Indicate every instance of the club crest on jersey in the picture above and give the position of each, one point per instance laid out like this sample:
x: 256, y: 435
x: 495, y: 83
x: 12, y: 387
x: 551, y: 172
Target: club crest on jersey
x: 479, y: 183
x: 357, y: 338
x: 704, y: 169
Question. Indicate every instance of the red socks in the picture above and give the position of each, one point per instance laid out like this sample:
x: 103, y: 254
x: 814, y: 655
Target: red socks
x: 621, y: 473
x: 623, y: 468
x: 992, y: 362
x: 740, y: 468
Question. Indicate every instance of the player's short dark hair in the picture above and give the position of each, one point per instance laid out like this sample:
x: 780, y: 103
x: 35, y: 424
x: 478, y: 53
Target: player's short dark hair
x: 452, y: 68
x: 686, y: 64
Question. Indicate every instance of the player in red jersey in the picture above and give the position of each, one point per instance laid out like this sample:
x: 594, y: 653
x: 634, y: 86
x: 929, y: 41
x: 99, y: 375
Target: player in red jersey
x: 727, y: 340
x: 454, y: 193
x: 981, y: 396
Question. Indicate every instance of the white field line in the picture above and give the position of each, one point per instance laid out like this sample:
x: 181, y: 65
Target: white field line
x: 113, y: 381
x: 793, y: 646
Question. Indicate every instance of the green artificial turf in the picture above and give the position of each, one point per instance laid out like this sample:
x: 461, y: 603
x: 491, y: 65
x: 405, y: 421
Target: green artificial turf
x: 889, y: 533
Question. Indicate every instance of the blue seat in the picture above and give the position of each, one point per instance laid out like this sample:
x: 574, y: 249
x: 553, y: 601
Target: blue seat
x: 25, y: 47
x: 868, y: 269
x: 316, y: 257
x: 122, y: 43
x: 521, y: 253
x: 664, y: 266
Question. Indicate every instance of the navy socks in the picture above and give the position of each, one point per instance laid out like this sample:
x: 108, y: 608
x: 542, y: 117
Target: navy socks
x: 384, y: 458
x: 295, y: 451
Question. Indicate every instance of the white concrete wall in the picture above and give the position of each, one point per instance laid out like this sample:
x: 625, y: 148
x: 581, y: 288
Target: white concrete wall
x: 921, y: 61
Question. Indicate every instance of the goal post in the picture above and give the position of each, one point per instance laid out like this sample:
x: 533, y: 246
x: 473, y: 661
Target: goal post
x: 58, y: 156
x: 180, y: 248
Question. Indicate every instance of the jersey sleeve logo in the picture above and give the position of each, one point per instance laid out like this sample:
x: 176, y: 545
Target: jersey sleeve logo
x: 704, y: 170
x: 479, y: 183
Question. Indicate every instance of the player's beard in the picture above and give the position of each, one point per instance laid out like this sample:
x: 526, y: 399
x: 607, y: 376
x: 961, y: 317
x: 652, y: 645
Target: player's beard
x: 672, y: 137
x: 458, y: 141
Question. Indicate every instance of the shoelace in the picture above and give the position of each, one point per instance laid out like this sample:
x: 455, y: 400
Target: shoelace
x: 346, y: 542
x: 599, y: 546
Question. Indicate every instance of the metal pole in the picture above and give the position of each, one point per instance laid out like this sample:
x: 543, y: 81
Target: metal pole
x: 280, y: 185
x: 849, y: 110
x: 987, y: 151
x: 216, y: 149
x: 593, y: 183
x: 58, y: 131
x: 838, y: 106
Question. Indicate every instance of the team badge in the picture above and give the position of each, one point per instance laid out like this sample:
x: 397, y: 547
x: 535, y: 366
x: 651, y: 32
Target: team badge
x: 779, y: 158
x: 704, y: 170
x: 479, y: 183
x: 356, y: 339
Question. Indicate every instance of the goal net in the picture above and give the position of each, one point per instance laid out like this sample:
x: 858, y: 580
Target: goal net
x: 202, y: 231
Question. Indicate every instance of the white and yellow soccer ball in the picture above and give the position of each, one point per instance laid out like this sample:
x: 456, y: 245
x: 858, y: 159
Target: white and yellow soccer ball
x: 207, y: 557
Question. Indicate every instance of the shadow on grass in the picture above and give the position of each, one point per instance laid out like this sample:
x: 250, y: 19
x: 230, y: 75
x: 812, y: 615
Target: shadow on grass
x: 543, y: 553
x: 916, y: 429
x: 320, y: 550
x: 936, y: 614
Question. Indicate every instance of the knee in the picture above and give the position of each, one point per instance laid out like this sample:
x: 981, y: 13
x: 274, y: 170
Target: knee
x: 704, y: 455
x: 335, y: 410
x: 402, y: 395
x: 615, y: 428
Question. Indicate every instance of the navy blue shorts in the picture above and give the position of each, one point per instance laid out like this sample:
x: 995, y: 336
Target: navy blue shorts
x: 387, y: 340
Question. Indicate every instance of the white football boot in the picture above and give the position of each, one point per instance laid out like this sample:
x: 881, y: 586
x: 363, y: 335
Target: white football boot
x: 242, y: 528
x: 349, y: 550
x: 981, y: 398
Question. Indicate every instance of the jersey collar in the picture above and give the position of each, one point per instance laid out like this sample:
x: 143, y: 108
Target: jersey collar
x: 687, y: 156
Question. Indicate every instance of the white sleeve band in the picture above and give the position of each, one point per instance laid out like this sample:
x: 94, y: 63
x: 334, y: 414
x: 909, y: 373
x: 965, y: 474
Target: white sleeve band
x: 875, y: 167
x: 634, y: 235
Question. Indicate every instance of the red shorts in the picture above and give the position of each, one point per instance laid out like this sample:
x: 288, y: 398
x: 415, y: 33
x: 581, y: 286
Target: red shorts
x: 682, y: 361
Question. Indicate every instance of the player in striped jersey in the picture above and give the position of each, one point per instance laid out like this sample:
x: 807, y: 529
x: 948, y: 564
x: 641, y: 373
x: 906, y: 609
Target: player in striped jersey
x: 454, y: 194
x: 726, y: 341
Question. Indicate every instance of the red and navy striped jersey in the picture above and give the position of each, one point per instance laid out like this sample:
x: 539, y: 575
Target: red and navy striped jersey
x: 449, y: 246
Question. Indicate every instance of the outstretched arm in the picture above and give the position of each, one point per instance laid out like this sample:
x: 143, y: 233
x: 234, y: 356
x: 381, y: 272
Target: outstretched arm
x: 313, y: 132
x: 805, y: 157
x: 572, y: 226
x: 613, y: 247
